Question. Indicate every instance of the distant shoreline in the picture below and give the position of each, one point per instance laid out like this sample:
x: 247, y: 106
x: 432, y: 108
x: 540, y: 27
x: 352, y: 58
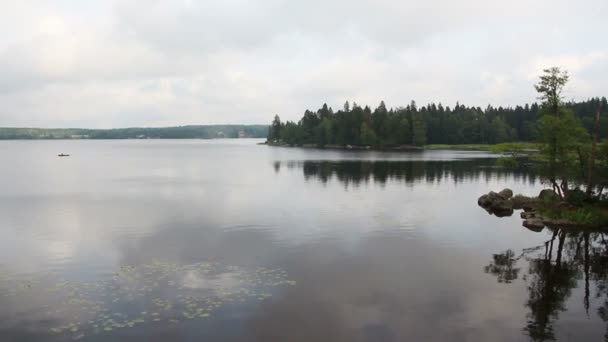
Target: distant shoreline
x: 178, y: 132
x: 97, y: 139
x: 519, y: 147
x: 403, y: 148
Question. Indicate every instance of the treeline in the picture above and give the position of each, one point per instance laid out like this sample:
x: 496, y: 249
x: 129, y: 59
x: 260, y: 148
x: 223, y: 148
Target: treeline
x: 181, y: 132
x: 430, y: 124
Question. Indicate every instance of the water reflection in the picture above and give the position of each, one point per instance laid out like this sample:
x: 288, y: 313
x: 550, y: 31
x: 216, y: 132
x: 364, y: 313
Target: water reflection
x: 158, y: 292
x: 377, y: 250
x: 567, y: 260
x: 409, y: 172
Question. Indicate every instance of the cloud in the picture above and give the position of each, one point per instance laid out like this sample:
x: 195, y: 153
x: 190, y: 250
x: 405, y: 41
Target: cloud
x: 135, y: 62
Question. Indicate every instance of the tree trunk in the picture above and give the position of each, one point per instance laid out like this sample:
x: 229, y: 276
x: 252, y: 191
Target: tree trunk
x: 586, y: 270
x: 596, y: 128
x: 564, y: 187
x: 557, y: 189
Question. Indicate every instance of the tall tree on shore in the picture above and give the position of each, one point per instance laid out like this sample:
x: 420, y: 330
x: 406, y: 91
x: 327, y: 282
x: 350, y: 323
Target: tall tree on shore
x: 561, y: 133
x: 274, y: 133
x: 550, y: 87
x: 590, y: 174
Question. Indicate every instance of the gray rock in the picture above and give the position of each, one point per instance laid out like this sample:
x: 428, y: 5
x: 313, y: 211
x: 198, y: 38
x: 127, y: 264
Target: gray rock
x: 523, y: 202
x: 548, y: 195
x: 560, y: 223
x: 493, y: 196
x: 501, y: 208
x: 506, y: 193
x: 534, y: 224
x: 527, y: 215
x: 527, y: 207
x: 484, y: 201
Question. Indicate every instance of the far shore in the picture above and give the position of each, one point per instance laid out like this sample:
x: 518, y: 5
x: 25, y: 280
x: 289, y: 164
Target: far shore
x: 347, y: 147
x: 521, y: 147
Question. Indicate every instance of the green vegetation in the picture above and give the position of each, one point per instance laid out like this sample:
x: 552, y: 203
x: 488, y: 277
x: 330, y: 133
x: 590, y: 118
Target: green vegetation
x: 433, y: 125
x: 181, y: 132
x: 507, y: 162
x: 497, y: 148
x: 590, y: 216
x: 569, y: 158
x: 515, y: 147
x: 460, y: 147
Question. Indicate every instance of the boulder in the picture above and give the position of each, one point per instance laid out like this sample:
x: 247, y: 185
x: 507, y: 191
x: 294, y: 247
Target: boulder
x: 502, y: 213
x: 497, y: 204
x: 484, y: 201
x: 523, y: 202
x: 501, y: 208
x: 506, y: 193
x: 494, y: 196
x: 527, y: 215
x: 560, y: 223
x: 534, y: 224
x: 548, y: 195
x: 528, y: 207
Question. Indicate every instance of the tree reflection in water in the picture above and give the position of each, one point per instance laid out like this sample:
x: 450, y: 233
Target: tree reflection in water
x: 554, y: 269
x: 354, y: 172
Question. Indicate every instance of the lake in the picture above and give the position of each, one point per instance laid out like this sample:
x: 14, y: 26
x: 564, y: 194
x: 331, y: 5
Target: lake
x: 225, y: 240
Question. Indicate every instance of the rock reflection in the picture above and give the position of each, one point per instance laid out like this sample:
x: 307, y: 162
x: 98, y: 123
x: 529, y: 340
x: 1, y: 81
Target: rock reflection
x: 553, y: 271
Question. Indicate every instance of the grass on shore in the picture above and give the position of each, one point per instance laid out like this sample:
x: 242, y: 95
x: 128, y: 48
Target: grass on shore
x: 497, y: 148
x: 587, y: 215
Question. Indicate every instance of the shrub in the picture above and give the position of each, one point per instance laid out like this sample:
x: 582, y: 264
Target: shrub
x: 507, y: 162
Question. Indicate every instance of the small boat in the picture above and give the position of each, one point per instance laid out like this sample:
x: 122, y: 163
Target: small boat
x: 63, y: 155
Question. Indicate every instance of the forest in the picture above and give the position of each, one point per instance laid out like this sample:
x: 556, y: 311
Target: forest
x: 415, y: 125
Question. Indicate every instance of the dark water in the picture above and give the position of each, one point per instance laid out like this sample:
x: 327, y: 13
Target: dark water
x: 229, y: 241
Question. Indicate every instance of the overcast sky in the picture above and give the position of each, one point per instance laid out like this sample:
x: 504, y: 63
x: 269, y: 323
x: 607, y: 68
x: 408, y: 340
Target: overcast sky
x: 117, y: 63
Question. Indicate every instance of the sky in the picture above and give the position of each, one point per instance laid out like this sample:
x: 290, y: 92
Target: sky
x: 124, y: 63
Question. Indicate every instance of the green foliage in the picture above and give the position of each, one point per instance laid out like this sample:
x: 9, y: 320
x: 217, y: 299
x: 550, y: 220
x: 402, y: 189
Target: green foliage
x: 324, y: 132
x: 431, y: 124
x: 601, y: 166
x: 292, y: 133
x: 550, y: 87
x: 514, y: 147
x: 564, y: 141
x: 585, y: 216
x: 577, y: 197
x: 274, y: 133
x: 418, y: 130
x: 460, y: 147
x: 565, y: 153
x: 507, y: 162
x: 368, y: 136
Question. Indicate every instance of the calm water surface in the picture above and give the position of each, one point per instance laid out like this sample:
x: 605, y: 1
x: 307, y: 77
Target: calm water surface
x: 229, y: 241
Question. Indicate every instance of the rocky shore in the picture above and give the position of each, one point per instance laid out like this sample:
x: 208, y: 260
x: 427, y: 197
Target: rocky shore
x: 503, y: 204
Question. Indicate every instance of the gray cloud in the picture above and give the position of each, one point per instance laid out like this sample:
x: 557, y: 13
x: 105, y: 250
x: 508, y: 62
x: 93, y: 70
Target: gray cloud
x: 135, y: 62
